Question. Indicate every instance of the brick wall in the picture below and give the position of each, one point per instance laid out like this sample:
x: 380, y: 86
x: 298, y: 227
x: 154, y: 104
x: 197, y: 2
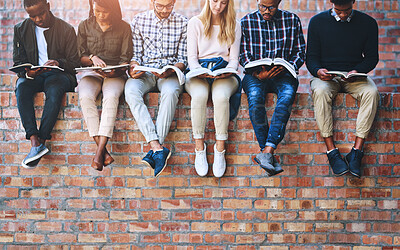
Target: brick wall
x: 65, y: 202
x: 386, y: 12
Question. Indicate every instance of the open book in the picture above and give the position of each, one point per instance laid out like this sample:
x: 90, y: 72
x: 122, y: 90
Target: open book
x: 200, y: 71
x: 179, y: 73
x: 345, y: 75
x: 272, y: 62
x: 105, y: 69
x: 22, y: 67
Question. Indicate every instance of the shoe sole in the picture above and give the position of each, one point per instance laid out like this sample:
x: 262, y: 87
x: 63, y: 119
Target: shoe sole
x: 345, y: 172
x: 269, y: 172
x: 147, y: 164
x: 34, y: 158
x: 166, y: 160
x: 351, y: 172
x: 27, y: 166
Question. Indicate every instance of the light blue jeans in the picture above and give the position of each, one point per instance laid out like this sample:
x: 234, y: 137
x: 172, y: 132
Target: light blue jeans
x: 169, y: 88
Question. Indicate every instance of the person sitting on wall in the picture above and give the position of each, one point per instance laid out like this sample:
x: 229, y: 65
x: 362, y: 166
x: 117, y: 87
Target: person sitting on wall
x: 45, y: 40
x: 271, y: 33
x: 214, y: 44
x: 159, y: 39
x: 103, y: 39
x: 346, y: 40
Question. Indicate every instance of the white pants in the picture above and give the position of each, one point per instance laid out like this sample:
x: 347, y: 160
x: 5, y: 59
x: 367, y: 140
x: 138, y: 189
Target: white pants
x: 169, y: 88
x: 221, y: 91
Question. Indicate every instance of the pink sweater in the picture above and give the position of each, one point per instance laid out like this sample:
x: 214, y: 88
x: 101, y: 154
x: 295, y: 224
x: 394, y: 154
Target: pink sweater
x: 200, y: 47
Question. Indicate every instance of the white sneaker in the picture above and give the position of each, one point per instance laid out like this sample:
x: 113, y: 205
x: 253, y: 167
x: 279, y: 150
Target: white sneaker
x: 219, y: 165
x: 200, y: 162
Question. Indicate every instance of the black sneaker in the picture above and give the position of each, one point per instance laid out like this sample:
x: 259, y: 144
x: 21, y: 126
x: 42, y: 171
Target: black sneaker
x: 353, y: 159
x: 338, y: 165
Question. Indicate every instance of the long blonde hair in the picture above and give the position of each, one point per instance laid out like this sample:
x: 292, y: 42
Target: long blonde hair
x: 227, y: 22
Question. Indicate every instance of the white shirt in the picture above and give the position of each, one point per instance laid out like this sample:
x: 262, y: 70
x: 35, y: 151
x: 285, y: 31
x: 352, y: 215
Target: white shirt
x: 200, y: 47
x: 42, y: 45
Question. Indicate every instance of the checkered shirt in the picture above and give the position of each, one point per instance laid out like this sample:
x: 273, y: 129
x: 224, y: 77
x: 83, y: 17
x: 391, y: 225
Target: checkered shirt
x: 281, y: 37
x: 159, y: 42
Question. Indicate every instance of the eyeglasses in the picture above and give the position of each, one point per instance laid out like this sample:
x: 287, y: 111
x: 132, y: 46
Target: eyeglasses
x: 160, y: 7
x: 264, y: 8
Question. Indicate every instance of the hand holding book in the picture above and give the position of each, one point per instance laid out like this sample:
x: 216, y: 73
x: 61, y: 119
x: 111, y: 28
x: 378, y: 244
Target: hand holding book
x: 268, y: 73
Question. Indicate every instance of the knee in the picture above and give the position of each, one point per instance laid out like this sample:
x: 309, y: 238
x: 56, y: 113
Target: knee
x: 199, y: 98
x: 219, y: 99
x: 172, y: 92
x: 111, y: 95
x: 132, y: 94
x: 371, y: 93
x: 321, y: 92
x: 54, y: 93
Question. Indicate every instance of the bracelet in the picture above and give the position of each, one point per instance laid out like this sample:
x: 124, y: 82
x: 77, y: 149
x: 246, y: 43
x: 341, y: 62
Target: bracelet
x: 90, y: 57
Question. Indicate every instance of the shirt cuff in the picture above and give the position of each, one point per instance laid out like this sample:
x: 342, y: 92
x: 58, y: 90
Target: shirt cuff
x: 28, y: 77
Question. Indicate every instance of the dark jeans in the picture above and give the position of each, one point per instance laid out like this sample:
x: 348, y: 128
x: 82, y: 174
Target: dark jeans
x: 54, y: 85
x: 285, y: 87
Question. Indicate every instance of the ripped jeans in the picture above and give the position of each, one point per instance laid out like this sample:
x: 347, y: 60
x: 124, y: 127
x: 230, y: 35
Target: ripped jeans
x: 285, y: 87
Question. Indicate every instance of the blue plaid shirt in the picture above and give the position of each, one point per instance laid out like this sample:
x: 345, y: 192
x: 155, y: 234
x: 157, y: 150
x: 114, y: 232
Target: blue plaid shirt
x: 159, y: 42
x: 281, y: 37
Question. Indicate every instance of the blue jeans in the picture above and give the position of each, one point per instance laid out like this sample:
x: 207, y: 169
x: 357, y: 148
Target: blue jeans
x: 54, y: 85
x: 285, y: 87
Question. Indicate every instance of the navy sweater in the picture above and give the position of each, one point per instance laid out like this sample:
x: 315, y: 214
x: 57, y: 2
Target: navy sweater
x: 343, y: 46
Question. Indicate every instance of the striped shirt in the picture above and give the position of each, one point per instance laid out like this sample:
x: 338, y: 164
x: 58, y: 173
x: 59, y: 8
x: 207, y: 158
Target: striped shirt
x: 281, y: 37
x: 159, y: 42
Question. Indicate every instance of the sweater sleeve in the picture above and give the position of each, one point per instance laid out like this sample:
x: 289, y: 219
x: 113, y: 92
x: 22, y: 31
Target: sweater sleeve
x: 193, y: 32
x: 235, y: 48
x: 313, y: 62
x: 371, y: 54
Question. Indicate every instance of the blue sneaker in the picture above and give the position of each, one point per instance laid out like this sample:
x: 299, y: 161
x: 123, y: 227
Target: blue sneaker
x: 160, y: 159
x: 353, y: 159
x: 338, y: 165
x: 32, y: 164
x: 35, y: 154
x: 148, y: 159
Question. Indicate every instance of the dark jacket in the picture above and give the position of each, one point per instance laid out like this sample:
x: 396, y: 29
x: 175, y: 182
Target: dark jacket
x: 61, y: 45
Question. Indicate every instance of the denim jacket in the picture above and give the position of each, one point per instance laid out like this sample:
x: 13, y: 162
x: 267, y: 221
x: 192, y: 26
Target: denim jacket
x: 234, y: 101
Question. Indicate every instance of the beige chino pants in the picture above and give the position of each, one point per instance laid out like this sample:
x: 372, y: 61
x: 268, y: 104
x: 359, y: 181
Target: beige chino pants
x: 89, y: 88
x: 363, y: 89
x: 221, y: 91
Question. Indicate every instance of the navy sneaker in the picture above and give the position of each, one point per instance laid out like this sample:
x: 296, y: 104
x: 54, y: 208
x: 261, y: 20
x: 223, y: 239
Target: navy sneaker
x: 160, y: 159
x: 266, y: 161
x: 353, y: 159
x: 338, y: 165
x: 148, y: 159
x: 35, y: 154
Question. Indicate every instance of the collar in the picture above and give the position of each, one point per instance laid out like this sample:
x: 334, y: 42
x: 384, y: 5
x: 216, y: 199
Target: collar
x: 158, y: 20
x: 337, y: 18
x: 276, y: 17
